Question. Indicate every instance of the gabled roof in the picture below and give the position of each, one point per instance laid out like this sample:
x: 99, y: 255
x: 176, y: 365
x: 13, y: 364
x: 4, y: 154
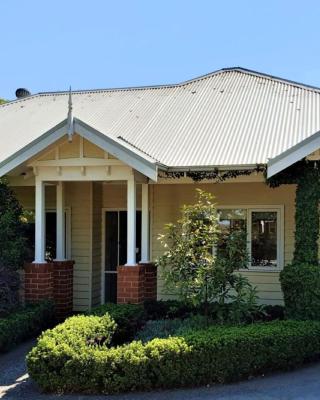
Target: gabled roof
x: 229, y: 118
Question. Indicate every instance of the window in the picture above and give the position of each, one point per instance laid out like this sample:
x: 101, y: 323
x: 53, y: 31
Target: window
x: 229, y: 221
x: 51, y: 226
x: 264, y: 238
x: 263, y: 226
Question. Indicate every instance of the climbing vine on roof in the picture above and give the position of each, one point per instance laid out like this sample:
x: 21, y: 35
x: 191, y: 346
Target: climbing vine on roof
x: 214, y: 174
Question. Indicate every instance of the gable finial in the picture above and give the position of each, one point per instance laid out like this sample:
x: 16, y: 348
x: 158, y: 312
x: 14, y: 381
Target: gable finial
x: 70, y: 117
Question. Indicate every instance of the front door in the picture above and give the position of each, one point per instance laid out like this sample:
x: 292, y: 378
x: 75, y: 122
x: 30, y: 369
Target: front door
x: 116, y: 248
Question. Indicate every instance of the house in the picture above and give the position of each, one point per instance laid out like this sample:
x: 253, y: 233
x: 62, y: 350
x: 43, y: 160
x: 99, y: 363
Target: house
x: 102, y: 171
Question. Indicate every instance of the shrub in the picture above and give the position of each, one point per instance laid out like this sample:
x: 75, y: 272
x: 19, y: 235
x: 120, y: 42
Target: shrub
x: 193, y: 271
x: 168, y: 309
x: 9, y: 291
x: 300, y: 284
x: 25, y: 323
x: 232, y: 312
x: 164, y: 328
x: 128, y: 317
x: 196, y: 357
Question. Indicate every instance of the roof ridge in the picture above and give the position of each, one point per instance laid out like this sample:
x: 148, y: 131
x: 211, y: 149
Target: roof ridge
x: 173, y: 85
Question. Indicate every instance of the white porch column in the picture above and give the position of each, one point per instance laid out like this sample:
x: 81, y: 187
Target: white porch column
x: 61, y: 240
x: 145, y: 257
x: 131, y: 221
x: 40, y: 225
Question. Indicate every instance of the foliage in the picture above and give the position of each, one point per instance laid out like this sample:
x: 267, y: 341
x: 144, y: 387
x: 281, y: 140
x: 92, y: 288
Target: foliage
x: 25, y: 323
x: 81, y: 331
x: 301, y: 289
x: 12, y: 242
x: 196, y: 357
x: 2, y: 101
x: 214, y: 174
x: 190, y: 267
x: 188, y: 261
x: 128, y: 317
x: 164, y: 328
x: 9, y: 291
x: 168, y: 309
x: 243, y: 309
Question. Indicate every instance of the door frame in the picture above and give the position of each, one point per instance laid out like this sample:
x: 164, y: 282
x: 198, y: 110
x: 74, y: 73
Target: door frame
x: 104, y: 210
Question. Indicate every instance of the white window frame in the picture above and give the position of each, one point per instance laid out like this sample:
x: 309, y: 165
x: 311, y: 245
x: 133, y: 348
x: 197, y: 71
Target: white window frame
x: 279, y: 209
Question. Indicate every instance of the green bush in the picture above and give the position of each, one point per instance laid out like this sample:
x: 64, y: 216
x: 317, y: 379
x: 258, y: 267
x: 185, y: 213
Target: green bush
x: 222, y: 313
x: 161, y: 309
x: 163, y: 328
x: 213, y: 355
x: 25, y: 323
x: 128, y: 317
x: 300, y: 284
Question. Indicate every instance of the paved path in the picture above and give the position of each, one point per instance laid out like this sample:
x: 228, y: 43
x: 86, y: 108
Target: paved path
x: 302, y: 384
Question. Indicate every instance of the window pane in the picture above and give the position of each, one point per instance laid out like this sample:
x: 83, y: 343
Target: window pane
x: 229, y: 221
x: 264, y: 238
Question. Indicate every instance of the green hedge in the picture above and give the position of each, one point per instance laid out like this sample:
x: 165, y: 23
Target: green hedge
x: 300, y: 284
x: 128, y: 317
x: 25, y: 323
x: 214, y: 355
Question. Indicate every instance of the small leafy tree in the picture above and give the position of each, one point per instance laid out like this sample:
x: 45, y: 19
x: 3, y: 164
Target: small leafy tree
x: 192, y: 264
x: 12, y: 246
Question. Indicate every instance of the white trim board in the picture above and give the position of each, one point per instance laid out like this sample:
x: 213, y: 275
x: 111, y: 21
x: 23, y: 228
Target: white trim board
x: 294, y: 154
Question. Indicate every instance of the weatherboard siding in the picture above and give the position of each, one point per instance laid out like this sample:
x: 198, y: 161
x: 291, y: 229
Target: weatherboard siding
x: 96, y: 205
x: 78, y: 197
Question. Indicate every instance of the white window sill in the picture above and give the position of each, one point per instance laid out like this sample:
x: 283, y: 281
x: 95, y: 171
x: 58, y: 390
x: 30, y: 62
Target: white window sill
x: 261, y: 269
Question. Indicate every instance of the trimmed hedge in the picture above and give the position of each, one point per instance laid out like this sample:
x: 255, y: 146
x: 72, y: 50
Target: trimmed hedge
x: 25, y: 323
x: 300, y: 284
x: 128, y: 317
x: 213, y: 355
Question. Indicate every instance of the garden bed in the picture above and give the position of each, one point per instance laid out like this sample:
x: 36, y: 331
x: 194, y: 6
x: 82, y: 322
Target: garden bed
x: 80, y: 355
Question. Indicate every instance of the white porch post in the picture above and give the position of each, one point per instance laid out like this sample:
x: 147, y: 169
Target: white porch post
x: 131, y: 221
x: 145, y: 223
x: 60, y: 250
x: 40, y: 225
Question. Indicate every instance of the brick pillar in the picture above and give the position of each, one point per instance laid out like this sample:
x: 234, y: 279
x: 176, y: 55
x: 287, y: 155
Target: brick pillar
x: 63, y: 287
x: 130, y: 284
x: 38, y: 282
x: 150, y: 281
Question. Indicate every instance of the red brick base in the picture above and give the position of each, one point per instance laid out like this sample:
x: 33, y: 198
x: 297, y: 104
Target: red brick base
x: 38, y: 282
x: 50, y: 281
x: 150, y: 281
x: 63, y: 287
x: 136, y: 283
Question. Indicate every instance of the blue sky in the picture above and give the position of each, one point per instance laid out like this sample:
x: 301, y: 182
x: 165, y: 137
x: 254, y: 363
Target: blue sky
x: 49, y: 45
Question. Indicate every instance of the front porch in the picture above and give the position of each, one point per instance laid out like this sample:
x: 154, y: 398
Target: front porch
x: 71, y: 180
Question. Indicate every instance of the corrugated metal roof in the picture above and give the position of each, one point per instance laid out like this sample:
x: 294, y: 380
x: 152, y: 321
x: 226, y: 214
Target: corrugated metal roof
x: 230, y: 117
